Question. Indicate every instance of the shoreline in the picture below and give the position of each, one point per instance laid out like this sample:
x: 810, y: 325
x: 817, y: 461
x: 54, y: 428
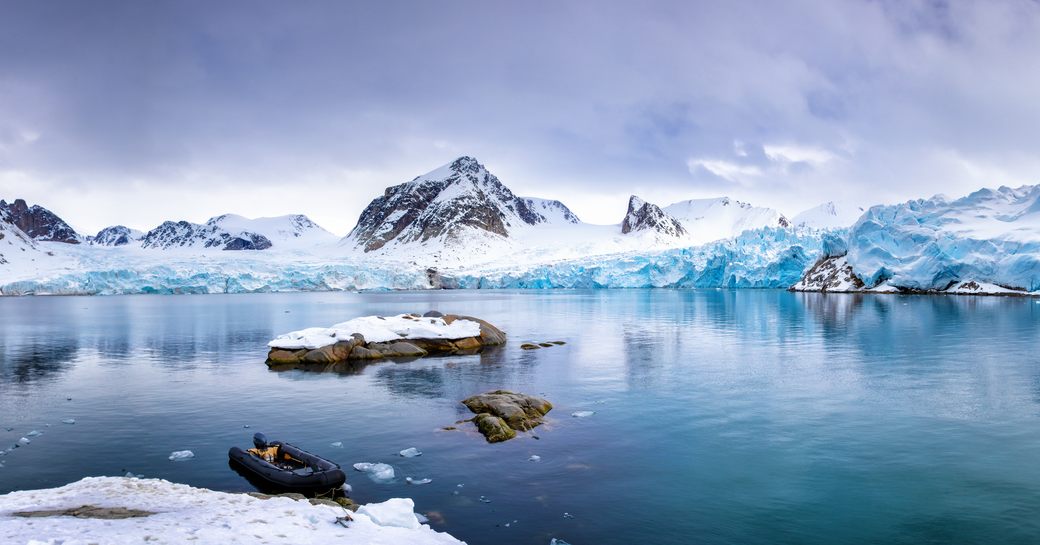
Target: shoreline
x: 130, y: 509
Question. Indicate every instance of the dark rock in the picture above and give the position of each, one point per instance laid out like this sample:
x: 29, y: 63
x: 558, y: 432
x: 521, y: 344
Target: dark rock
x: 529, y: 346
x: 400, y: 349
x: 546, y: 345
x: 433, y: 314
x: 38, y: 222
x: 361, y: 353
x: 285, y: 356
x: 644, y: 216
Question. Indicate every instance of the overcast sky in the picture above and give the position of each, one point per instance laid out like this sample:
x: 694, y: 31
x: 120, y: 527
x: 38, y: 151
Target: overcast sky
x: 136, y: 112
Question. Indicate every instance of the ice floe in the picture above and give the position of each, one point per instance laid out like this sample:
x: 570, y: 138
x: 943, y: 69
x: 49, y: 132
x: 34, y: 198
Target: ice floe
x: 378, y: 472
x: 181, y: 455
x: 411, y: 452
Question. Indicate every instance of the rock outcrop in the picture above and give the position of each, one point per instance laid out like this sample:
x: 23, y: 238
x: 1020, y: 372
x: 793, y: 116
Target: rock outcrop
x: 38, y: 222
x: 501, y: 413
x: 644, y: 216
x: 183, y: 234
x: 356, y: 348
x: 116, y: 235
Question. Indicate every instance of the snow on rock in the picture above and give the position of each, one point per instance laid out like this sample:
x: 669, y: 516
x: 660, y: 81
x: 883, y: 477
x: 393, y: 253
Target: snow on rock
x: 184, y: 514
x: 15, y: 245
x: 291, y: 231
x: 551, y: 211
x: 644, y: 216
x: 117, y: 235
x: 377, y: 329
x: 991, y: 237
x: 184, y: 234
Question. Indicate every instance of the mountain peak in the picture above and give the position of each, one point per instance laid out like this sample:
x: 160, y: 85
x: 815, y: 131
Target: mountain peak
x: 39, y: 223
x: 644, y: 216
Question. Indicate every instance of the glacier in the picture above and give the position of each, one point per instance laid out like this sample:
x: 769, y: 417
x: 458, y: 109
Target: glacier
x: 991, y: 236
x: 762, y: 258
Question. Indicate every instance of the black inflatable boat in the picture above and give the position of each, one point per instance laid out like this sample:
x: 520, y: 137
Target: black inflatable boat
x: 273, y: 466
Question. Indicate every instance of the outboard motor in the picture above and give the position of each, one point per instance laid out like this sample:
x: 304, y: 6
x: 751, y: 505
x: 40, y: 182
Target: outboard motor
x: 259, y: 440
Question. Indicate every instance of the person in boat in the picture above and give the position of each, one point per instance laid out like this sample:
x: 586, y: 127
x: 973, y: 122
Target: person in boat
x: 273, y: 454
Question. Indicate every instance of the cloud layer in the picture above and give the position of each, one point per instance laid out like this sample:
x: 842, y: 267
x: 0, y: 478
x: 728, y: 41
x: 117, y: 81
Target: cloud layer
x: 136, y: 112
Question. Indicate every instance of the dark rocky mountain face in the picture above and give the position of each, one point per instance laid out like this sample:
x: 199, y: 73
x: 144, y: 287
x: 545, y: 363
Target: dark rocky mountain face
x: 644, y: 216
x: 39, y: 223
x: 446, y: 204
x: 183, y: 234
x: 117, y: 235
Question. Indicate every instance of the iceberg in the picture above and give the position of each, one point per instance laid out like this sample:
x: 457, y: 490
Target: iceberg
x: 411, y: 452
x: 181, y: 455
x: 380, y: 473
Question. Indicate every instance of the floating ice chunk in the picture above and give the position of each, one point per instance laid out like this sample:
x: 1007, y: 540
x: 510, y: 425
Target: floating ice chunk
x: 337, y: 444
x: 346, y: 488
x: 132, y: 475
x: 485, y: 499
x: 24, y: 441
x: 534, y: 458
x: 582, y: 414
x: 69, y: 421
x: 411, y: 452
x: 410, y: 480
x: 555, y: 541
x: 379, y: 473
x: 568, y: 516
x: 398, y: 512
x: 34, y: 433
x: 181, y: 455
x: 422, y: 518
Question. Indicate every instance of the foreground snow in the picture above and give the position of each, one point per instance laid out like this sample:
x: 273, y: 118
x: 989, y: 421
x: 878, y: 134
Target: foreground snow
x: 184, y: 514
x: 377, y: 329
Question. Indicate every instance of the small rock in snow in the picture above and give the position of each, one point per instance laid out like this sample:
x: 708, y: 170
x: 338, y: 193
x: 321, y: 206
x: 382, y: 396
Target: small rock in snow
x: 411, y: 452
x: 181, y: 455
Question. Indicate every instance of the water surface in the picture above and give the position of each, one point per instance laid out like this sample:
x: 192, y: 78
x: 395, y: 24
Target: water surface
x: 720, y: 416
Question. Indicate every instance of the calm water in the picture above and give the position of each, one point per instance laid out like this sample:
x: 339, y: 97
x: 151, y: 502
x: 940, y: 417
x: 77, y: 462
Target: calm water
x: 720, y: 416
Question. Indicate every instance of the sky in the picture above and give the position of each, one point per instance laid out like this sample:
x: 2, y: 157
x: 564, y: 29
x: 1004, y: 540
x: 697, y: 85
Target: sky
x: 129, y: 112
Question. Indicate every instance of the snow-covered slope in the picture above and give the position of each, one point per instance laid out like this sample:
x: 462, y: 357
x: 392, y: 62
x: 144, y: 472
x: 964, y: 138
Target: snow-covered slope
x: 15, y: 245
x: 829, y: 215
x: 291, y: 231
x: 714, y: 219
x: 39, y: 223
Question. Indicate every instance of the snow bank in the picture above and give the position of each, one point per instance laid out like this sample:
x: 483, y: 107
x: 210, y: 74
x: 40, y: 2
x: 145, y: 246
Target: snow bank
x: 196, y: 515
x: 377, y: 329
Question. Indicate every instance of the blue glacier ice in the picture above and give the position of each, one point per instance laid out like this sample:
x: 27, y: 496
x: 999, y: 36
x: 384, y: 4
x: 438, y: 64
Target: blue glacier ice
x: 991, y: 236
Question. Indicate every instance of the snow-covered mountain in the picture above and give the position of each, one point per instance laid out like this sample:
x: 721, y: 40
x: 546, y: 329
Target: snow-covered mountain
x: 452, y: 212
x: 829, y: 215
x: 117, y: 235
x: 714, y: 219
x: 184, y: 234
x: 644, y: 216
x: 291, y: 231
x: 39, y: 223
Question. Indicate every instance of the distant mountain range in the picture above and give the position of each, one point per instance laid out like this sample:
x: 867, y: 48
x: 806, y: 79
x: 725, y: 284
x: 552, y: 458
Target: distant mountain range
x: 460, y: 219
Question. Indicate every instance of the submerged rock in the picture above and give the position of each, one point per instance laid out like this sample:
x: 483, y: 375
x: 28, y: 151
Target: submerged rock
x: 501, y: 412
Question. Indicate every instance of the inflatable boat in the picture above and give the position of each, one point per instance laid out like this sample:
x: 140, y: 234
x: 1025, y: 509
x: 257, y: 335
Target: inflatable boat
x: 273, y: 466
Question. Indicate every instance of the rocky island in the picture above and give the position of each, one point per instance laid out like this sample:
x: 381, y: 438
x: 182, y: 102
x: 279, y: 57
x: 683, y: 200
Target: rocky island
x: 378, y: 337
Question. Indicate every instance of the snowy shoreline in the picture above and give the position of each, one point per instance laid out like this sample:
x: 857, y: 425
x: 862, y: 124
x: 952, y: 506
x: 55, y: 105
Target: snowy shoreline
x: 178, y: 513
